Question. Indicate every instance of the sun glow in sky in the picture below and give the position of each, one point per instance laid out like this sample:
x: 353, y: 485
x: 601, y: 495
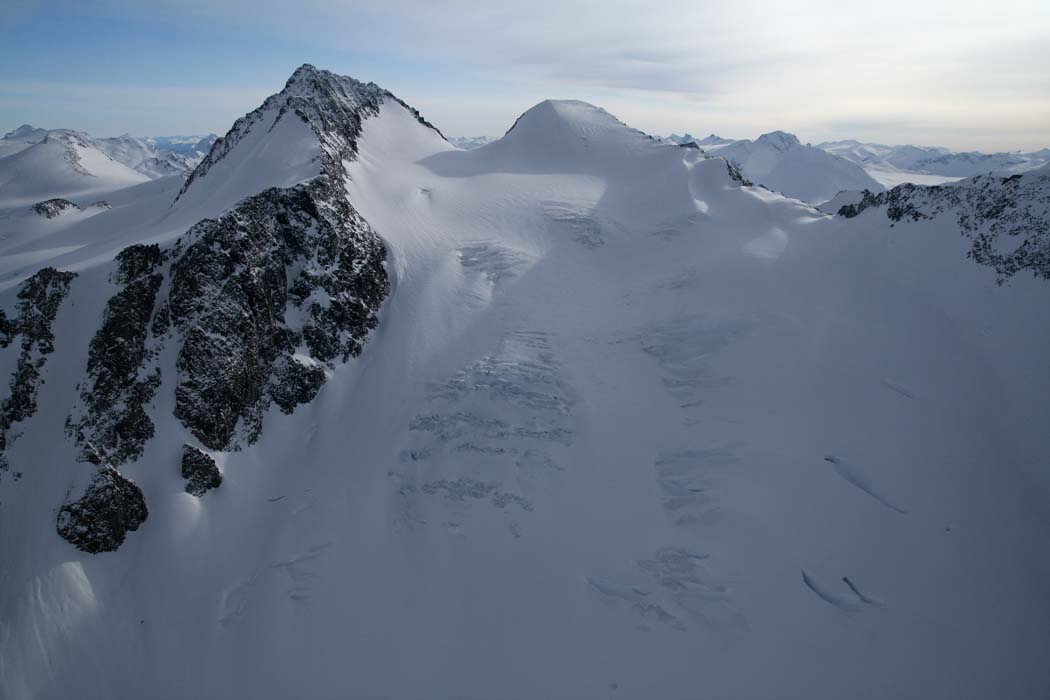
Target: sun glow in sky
x: 962, y: 74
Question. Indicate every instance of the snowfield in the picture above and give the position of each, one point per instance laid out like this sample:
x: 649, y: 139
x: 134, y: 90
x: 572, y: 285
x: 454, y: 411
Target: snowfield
x: 626, y: 428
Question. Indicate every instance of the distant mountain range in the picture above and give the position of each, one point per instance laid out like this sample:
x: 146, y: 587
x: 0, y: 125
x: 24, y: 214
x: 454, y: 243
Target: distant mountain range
x: 40, y: 163
x: 779, y: 161
x: 892, y: 165
x: 469, y: 143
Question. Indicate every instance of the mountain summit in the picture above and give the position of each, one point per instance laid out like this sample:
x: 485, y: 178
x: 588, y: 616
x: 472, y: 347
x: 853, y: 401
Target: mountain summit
x: 779, y: 140
x: 330, y: 106
x: 780, y: 162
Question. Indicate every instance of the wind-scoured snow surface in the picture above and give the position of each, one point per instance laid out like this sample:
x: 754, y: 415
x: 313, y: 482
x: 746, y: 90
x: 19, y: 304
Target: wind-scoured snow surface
x: 626, y: 428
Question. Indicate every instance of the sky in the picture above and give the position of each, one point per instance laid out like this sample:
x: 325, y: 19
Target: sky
x: 961, y: 74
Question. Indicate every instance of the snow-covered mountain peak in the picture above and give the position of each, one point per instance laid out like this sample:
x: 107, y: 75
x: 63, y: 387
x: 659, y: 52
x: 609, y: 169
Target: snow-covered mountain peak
x: 780, y: 140
x: 568, y: 136
x: 68, y: 137
x: 24, y: 132
x: 329, y: 111
x: 315, y: 84
x: 553, y: 120
x: 713, y: 140
x: 780, y: 162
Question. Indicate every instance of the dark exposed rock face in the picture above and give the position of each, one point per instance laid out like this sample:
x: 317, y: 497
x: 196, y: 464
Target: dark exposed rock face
x: 255, y: 306
x: 50, y: 208
x: 114, y: 426
x: 99, y: 520
x: 998, y: 214
x: 259, y: 299
x: 285, y: 272
x: 288, y: 274
x: 199, y: 471
x: 39, y: 297
x: 295, y: 382
x: 737, y: 176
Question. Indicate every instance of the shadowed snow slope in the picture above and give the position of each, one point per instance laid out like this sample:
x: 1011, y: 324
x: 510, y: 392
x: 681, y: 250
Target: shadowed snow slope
x: 624, y: 428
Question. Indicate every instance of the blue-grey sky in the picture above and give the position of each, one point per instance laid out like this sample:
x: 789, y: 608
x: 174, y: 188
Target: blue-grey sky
x: 962, y: 74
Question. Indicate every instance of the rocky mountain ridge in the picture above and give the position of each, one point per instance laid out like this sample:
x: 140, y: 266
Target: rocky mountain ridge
x: 261, y: 304
x: 1007, y: 219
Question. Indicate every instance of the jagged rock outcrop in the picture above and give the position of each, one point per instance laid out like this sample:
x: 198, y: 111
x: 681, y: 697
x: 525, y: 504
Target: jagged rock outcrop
x: 259, y: 303
x: 50, y: 208
x: 199, y: 471
x: 737, y: 176
x: 295, y: 382
x: 114, y: 426
x: 111, y: 506
x: 39, y: 297
x: 1007, y: 219
x: 70, y: 141
x: 260, y: 299
x: 287, y: 272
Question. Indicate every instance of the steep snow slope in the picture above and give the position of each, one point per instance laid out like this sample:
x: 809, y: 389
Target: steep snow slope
x: 778, y: 161
x: 625, y: 429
